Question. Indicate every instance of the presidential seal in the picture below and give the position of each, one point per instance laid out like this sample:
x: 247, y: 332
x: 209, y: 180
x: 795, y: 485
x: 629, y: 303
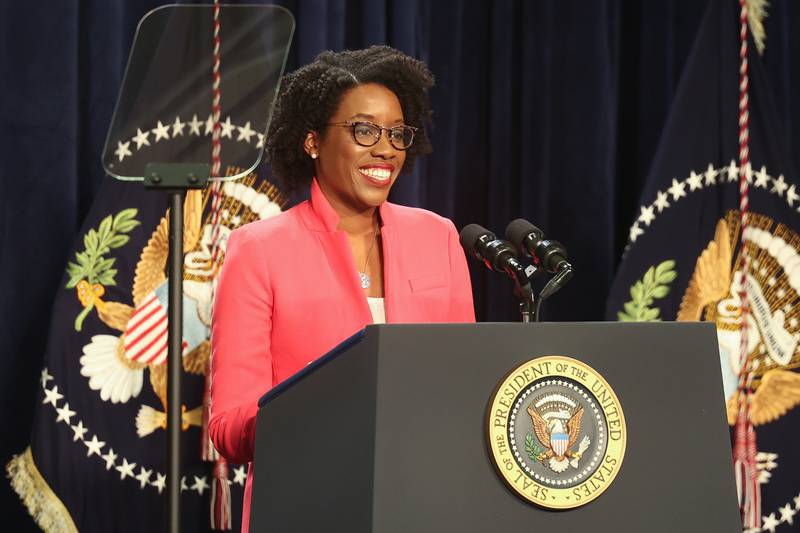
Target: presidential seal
x: 556, y: 432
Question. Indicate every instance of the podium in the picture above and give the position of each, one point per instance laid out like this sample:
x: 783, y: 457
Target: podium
x: 388, y: 432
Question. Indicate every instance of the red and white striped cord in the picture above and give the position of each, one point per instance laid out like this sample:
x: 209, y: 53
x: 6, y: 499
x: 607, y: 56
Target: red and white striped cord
x: 216, y: 143
x: 744, y: 175
x: 745, y: 466
x: 207, y: 449
x: 220, y: 512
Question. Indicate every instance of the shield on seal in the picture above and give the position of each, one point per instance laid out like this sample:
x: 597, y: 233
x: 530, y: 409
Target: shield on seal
x: 559, y: 442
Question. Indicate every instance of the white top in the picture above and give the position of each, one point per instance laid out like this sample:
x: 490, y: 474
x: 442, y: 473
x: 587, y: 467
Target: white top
x: 378, y: 309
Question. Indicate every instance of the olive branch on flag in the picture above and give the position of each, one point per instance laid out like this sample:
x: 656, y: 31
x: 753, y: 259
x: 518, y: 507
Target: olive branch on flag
x: 654, y: 284
x: 92, y: 271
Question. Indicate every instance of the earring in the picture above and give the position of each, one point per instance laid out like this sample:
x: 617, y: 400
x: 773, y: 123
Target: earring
x: 314, y: 155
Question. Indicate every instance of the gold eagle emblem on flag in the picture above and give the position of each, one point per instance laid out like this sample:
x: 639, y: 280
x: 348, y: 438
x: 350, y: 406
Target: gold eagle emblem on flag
x: 774, y: 322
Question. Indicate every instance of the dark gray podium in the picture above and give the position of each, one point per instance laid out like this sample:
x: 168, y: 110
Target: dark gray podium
x: 388, y: 434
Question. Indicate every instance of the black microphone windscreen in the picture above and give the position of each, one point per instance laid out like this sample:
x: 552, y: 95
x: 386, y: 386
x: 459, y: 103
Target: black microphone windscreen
x: 517, y: 230
x: 471, y: 233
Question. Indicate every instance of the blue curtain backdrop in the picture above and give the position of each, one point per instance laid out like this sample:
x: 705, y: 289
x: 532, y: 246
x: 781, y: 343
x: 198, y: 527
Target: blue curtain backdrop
x: 549, y: 110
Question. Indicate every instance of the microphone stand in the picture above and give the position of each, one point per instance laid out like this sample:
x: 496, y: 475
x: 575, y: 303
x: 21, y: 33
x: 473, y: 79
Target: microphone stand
x: 528, y: 307
x: 524, y: 291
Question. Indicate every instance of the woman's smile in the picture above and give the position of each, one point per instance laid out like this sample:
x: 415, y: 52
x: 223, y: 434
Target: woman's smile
x: 377, y: 174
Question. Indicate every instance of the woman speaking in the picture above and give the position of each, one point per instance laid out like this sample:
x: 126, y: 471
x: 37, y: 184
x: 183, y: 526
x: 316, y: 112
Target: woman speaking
x: 295, y: 285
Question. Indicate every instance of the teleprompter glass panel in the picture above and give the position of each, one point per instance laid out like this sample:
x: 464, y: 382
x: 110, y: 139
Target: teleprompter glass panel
x: 164, y: 109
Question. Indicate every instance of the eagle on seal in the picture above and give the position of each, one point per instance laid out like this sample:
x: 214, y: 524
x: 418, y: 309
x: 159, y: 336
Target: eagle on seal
x: 558, y: 435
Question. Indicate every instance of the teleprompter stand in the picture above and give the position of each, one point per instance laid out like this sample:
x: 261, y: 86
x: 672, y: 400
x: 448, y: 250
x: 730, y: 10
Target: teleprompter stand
x: 188, y: 63
x: 388, y: 433
x: 175, y: 179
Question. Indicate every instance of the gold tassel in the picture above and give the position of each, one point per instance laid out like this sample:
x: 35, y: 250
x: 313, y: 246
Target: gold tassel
x: 756, y: 13
x: 42, y: 503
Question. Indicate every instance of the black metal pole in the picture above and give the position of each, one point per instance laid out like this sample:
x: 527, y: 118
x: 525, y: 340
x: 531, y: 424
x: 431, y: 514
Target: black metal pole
x: 174, y: 358
x: 175, y: 179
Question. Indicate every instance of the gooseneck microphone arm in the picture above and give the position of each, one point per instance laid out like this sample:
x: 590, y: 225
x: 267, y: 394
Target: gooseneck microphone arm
x: 546, y: 254
x: 499, y: 256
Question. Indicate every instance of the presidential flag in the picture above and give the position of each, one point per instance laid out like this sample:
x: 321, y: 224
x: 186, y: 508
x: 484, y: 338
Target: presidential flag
x: 97, y: 458
x: 685, y: 255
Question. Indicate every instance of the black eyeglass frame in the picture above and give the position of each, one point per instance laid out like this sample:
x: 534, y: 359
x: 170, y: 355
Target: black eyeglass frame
x: 353, y: 124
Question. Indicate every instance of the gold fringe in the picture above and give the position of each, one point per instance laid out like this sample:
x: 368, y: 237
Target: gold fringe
x: 42, y: 503
x: 756, y: 13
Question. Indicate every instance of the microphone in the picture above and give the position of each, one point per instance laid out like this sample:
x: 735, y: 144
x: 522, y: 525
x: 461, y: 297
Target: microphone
x: 529, y: 240
x: 497, y: 254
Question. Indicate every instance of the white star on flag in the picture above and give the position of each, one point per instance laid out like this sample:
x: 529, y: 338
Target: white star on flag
x: 677, y: 190
x: 762, y: 178
x: 792, y: 196
x: 123, y: 150
x: 64, y: 414
x: 143, y: 477
x: 194, y: 126
x: 733, y: 171
x: 695, y: 181
x: 661, y: 201
x: 769, y: 523
x: 711, y: 175
x: 141, y: 138
x: 52, y: 396
x: 647, y: 215
x: 209, y: 124
x: 125, y: 469
x: 199, y: 484
x: 161, y: 132
x: 177, y: 127
x: 183, y: 484
x: 635, y: 232
x: 260, y: 143
x: 110, y: 458
x: 779, y: 185
x: 45, y: 377
x: 227, y: 129
x: 78, y: 430
x: 160, y: 482
x: 239, y: 475
x: 787, y: 513
x: 93, y: 446
x: 245, y: 132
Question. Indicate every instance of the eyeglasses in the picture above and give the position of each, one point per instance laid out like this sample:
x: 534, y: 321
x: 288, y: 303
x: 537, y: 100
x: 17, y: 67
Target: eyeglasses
x: 368, y: 134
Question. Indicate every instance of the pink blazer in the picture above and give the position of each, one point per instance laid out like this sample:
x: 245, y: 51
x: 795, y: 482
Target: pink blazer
x: 289, y: 292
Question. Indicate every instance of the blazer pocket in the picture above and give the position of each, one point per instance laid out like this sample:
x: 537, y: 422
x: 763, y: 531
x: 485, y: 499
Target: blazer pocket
x: 426, y: 283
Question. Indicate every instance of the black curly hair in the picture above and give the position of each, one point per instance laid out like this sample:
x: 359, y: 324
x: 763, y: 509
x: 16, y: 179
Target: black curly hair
x: 310, y: 95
